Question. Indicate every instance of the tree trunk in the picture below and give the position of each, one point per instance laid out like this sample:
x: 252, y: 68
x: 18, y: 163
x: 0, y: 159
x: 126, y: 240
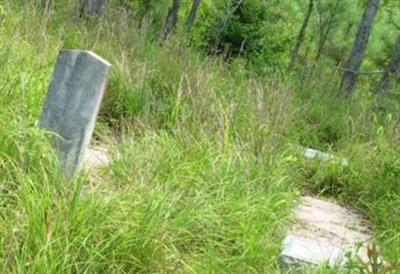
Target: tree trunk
x: 146, y: 8
x: 223, y: 23
x: 392, y: 70
x: 172, y: 18
x: 192, y: 15
x: 301, y: 35
x: 324, y: 33
x: 93, y: 7
x: 48, y: 6
x: 350, y: 76
x: 348, y: 30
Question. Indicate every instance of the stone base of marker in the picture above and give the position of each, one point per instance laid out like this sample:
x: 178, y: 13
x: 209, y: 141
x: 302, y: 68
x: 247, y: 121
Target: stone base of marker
x: 95, y: 157
x: 324, y: 232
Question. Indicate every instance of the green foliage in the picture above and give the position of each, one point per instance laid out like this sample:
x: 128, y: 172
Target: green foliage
x: 2, y: 14
x: 152, y: 9
x: 374, y: 265
x: 184, y: 193
x: 206, y: 159
x: 251, y: 29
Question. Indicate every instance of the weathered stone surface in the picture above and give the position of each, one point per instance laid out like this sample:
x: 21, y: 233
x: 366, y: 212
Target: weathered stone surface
x: 72, y: 104
x: 319, y: 155
x: 324, y: 233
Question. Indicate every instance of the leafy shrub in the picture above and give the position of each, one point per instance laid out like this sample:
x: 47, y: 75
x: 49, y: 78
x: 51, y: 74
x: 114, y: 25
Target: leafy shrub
x: 146, y: 11
x: 252, y: 29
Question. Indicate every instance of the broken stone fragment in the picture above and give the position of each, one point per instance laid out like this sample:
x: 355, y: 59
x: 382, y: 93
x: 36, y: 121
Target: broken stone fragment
x: 316, y: 154
x: 299, y: 251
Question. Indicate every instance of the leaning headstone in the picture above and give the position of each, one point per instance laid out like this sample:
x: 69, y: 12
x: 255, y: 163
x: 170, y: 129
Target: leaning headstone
x: 72, y: 104
x: 323, y: 233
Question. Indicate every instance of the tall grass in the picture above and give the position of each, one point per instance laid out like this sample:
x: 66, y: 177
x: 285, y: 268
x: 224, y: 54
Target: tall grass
x: 205, y: 169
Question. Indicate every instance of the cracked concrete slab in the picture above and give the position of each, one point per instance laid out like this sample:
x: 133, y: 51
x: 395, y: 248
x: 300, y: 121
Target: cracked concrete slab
x: 323, y: 233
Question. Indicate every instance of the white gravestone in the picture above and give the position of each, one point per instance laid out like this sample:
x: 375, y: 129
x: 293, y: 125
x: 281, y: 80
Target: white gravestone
x: 72, y: 104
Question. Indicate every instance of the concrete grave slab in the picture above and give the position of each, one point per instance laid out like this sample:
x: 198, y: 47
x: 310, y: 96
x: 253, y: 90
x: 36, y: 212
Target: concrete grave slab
x: 72, y: 104
x: 323, y: 233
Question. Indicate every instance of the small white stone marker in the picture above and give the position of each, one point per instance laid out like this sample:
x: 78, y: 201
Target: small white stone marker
x: 316, y: 154
x: 72, y: 104
x: 324, y: 233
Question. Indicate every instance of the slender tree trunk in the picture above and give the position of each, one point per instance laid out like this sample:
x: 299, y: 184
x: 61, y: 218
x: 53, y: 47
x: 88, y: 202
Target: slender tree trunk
x: 172, y: 18
x: 392, y: 70
x: 324, y: 33
x: 223, y: 23
x: 348, y: 30
x: 48, y: 6
x: 301, y: 35
x: 93, y: 7
x: 350, y: 76
x: 192, y: 16
x: 147, y: 5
